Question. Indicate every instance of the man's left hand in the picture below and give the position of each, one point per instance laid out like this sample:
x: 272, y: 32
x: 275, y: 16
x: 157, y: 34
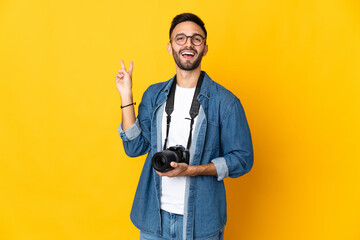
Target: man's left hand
x: 183, y: 169
x: 180, y: 169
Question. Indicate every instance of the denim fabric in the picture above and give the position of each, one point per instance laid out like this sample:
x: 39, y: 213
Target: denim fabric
x: 221, y: 136
x: 172, y: 225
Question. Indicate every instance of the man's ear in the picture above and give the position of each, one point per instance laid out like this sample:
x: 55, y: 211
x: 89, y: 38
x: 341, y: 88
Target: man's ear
x: 206, y: 48
x: 169, y: 48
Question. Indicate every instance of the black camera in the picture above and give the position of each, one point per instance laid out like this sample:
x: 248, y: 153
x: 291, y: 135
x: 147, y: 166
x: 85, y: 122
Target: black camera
x: 161, y: 160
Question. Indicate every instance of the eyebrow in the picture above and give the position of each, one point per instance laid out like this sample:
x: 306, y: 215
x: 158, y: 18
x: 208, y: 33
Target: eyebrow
x: 189, y: 35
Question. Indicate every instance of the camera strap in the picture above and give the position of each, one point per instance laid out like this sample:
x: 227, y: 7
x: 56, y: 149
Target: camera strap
x: 194, y: 109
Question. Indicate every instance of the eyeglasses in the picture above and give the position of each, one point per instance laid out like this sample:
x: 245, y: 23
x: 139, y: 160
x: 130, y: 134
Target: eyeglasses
x: 196, y: 39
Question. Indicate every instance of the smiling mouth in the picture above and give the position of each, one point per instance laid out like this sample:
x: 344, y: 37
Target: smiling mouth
x: 188, y: 54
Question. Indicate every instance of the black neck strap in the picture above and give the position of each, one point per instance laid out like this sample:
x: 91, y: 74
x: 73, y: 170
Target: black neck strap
x: 194, y: 109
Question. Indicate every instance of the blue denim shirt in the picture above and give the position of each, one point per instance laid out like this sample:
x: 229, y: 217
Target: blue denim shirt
x: 221, y: 136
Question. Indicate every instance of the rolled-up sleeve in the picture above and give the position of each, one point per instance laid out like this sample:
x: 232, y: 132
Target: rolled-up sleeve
x: 131, y: 133
x: 221, y: 168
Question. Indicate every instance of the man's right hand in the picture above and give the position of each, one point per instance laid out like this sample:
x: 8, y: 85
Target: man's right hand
x: 124, y: 86
x: 124, y: 80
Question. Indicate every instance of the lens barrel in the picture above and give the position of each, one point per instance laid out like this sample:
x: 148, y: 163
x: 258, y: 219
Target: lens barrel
x: 161, y: 160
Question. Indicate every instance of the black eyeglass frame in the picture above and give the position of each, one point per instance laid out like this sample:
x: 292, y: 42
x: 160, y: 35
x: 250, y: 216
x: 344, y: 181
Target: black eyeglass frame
x: 196, y: 34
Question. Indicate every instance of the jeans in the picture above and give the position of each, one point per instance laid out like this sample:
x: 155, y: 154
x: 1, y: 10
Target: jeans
x: 172, y: 225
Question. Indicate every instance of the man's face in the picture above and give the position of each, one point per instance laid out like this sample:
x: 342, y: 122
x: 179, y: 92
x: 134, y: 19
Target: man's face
x: 188, y: 61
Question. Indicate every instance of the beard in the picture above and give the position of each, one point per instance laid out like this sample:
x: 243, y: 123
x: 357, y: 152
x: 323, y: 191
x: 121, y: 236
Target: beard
x: 187, y: 66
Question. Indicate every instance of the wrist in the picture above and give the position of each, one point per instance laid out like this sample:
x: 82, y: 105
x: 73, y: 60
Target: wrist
x: 126, y: 98
x: 128, y: 105
x: 206, y: 169
x: 193, y: 170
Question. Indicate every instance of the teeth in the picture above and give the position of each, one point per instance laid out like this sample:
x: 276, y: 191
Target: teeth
x: 188, y: 53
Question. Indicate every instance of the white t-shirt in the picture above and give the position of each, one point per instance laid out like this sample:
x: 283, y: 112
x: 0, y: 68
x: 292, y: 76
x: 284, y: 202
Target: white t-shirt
x: 173, y: 189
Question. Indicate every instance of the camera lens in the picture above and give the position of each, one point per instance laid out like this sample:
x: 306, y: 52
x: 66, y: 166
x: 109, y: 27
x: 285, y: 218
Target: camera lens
x: 161, y: 160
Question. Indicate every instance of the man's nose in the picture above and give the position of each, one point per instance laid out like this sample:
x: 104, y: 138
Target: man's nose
x: 189, y: 42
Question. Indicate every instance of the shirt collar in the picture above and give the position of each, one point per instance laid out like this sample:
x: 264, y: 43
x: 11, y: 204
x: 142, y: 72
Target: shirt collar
x: 205, y: 87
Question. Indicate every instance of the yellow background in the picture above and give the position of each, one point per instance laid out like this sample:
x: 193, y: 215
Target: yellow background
x: 295, y: 65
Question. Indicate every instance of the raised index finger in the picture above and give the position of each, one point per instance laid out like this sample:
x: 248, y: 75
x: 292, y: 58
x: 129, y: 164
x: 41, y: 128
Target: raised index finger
x: 122, y: 65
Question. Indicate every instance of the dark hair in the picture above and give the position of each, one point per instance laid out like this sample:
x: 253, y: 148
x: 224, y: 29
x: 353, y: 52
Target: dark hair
x: 187, y: 17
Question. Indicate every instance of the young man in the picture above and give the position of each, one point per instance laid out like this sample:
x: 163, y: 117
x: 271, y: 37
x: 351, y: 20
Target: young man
x: 187, y: 199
